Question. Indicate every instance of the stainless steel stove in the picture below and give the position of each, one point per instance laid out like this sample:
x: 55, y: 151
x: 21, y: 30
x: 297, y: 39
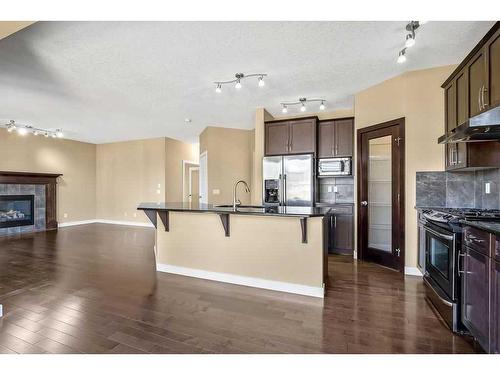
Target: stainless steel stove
x: 443, y: 243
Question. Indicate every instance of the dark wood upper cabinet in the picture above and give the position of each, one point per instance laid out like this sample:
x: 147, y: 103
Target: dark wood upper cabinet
x: 492, y: 52
x: 336, y: 138
x: 303, y: 136
x: 477, y: 82
x: 344, y: 137
x: 325, y: 139
x: 276, y: 135
x: 462, y: 98
x: 450, y: 107
x: 290, y: 136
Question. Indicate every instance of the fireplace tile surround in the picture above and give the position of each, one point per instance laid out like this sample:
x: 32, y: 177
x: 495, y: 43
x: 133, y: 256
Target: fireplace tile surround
x: 39, y: 210
x: 40, y: 185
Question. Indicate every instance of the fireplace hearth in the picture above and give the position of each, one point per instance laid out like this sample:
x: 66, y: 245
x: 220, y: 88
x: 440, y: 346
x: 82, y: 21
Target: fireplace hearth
x: 16, y: 210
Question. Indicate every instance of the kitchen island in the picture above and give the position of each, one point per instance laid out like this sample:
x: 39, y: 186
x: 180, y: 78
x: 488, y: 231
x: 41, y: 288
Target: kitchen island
x: 278, y: 248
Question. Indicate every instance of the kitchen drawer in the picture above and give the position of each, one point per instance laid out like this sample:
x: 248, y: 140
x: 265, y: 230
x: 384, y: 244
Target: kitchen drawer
x: 341, y: 209
x: 477, y: 239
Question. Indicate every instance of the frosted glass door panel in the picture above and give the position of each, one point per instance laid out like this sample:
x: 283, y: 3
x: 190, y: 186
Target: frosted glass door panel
x: 380, y: 193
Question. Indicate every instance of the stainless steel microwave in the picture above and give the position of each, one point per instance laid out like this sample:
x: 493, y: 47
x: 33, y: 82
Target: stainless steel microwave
x: 335, y: 167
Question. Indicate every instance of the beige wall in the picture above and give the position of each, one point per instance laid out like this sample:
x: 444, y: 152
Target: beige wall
x: 75, y: 160
x: 129, y: 173
x: 229, y: 156
x: 267, y: 248
x: 175, y: 152
x: 10, y: 27
x: 418, y: 97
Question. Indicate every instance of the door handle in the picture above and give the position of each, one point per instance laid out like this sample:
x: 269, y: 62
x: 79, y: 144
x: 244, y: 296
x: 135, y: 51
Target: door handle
x: 364, y: 203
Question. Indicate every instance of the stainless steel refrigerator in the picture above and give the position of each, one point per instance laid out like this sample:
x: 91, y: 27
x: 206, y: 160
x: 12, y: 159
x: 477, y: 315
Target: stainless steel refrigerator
x: 288, y: 180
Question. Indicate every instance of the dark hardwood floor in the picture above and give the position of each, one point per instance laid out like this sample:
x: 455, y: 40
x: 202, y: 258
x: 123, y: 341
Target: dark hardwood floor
x: 90, y: 289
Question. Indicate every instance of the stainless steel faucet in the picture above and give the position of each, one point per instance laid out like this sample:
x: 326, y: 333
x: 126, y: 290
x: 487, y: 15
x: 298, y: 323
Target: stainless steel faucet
x: 236, y: 201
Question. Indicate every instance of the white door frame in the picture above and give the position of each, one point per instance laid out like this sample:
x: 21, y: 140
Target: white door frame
x: 203, y: 177
x: 191, y: 169
x: 186, y: 189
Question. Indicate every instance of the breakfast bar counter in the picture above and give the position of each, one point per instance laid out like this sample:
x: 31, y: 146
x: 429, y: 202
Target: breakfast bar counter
x: 278, y: 248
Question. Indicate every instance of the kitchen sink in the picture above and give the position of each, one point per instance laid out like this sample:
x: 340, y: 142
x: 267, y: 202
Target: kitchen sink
x: 238, y: 206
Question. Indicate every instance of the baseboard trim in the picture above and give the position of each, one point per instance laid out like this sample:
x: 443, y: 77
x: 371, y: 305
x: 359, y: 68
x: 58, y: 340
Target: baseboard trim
x: 105, y: 221
x: 73, y: 223
x: 413, y: 271
x: 279, y: 286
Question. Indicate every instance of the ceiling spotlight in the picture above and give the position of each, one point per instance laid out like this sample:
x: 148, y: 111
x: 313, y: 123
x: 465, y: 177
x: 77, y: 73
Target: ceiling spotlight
x: 401, y: 56
x: 36, y: 132
x: 22, y: 131
x: 410, y: 40
x: 53, y: 135
x: 218, y: 89
x: 261, y: 81
x: 284, y: 109
x: 59, y: 133
x: 238, y: 84
x: 46, y: 134
x: 303, y: 108
x: 322, y: 106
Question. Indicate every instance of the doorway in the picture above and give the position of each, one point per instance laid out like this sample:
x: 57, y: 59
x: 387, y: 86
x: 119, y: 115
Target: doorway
x: 203, y: 177
x: 380, y: 204
x: 194, y: 185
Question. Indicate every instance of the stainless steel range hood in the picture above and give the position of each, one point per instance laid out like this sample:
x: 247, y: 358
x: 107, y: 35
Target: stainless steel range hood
x: 482, y: 127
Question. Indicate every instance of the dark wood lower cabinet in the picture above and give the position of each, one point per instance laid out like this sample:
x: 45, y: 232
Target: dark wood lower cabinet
x: 475, y: 301
x: 495, y: 308
x: 343, y: 236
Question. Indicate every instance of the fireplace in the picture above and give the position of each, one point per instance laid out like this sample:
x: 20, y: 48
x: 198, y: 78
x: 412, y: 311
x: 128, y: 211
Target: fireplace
x: 17, y: 210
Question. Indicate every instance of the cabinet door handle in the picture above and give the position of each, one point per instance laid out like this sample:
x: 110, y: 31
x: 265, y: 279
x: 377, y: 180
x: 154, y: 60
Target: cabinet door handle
x: 482, y: 95
x: 479, y: 99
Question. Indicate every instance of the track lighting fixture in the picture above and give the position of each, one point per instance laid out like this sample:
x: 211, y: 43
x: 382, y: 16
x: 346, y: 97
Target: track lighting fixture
x: 411, y: 27
x: 26, y: 129
x: 402, y: 56
x: 237, y: 81
x: 302, y: 102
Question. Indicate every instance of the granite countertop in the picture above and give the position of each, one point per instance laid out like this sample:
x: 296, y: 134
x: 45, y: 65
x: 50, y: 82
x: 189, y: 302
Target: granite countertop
x: 288, y: 211
x: 488, y: 226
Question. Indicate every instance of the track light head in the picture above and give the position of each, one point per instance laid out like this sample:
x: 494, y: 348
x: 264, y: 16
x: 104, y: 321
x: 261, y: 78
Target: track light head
x: 22, y: 131
x: 303, y: 108
x: 59, y: 133
x: 402, y: 56
x: 218, y: 89
x: 410, y: 40
x: 322, y: 106
x: 261, y: 81
x: 284, y: 109
x: 238, y: 84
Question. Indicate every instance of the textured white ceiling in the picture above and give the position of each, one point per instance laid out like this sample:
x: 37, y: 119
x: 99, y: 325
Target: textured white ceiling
x: 113, y: 81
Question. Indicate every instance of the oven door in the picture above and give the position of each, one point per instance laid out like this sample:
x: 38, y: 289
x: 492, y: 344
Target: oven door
x: 440, y: 249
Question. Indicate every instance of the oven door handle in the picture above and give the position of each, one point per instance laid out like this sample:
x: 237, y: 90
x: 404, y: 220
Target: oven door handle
x: 440, y: 235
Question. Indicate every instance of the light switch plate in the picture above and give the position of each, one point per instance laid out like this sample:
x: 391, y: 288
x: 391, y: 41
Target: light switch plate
x: 329, y: 189
x: 335, y: 189
x: 216, y: 191
x: 487, y: 188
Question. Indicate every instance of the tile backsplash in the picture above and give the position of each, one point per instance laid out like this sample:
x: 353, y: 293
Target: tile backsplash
x: 459, y: 189
x: 343, y: 185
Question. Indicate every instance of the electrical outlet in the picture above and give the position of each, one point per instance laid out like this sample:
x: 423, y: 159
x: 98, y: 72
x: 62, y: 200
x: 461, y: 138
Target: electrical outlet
x: 135, y: 214
x: 65, y: 215
x: 487, y: 188
x: 159, y: 186
x: 216, y: 191
x: 158, y: 191
x: 329, y: 189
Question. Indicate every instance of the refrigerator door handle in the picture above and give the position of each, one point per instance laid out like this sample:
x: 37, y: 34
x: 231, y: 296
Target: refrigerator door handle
x: 284, y: 190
